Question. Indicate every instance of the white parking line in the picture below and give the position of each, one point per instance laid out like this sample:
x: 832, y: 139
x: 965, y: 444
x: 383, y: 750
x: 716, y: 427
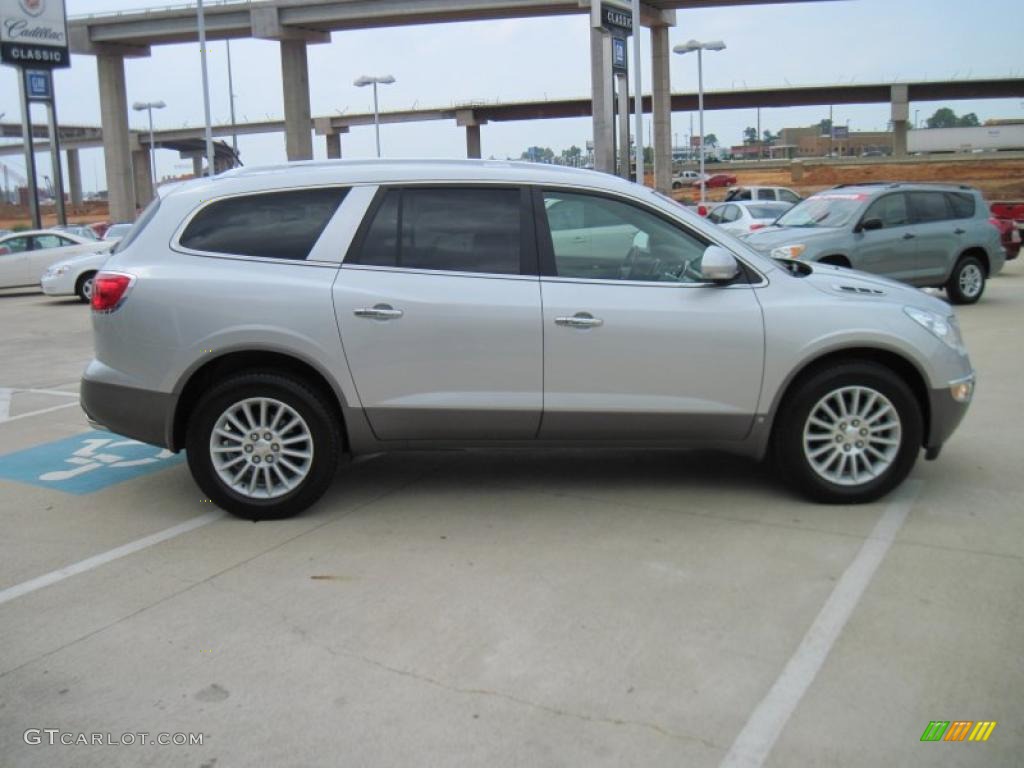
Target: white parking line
x: 5, y: 402
x: 40, y: 412
x: 18, y: 590
x: 755, y: 741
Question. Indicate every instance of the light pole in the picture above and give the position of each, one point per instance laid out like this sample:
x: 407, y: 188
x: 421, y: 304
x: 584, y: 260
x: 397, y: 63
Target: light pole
x: 201, y: 24
x: 699, y: 47
x: 915, y: 118
x: 231, y: 102
x: 375, y: 81
x: 149, y: 106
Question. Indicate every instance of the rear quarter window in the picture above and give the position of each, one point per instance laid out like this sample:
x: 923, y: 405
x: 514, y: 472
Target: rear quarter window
x: 270, y: 225
x: 962, y: 204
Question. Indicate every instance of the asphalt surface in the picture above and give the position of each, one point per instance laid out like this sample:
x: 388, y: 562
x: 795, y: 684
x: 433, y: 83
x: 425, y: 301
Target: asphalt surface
x: 497, y: 608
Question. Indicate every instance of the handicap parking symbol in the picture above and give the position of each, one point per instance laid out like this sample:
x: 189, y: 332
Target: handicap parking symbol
x: 85, y: 463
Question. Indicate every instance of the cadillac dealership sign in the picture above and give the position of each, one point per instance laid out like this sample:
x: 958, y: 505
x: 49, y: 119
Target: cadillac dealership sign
x: 34, y: 33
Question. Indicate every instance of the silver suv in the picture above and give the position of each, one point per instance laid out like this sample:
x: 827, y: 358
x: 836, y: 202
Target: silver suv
x: 928, y: 235
x: 272, y: 319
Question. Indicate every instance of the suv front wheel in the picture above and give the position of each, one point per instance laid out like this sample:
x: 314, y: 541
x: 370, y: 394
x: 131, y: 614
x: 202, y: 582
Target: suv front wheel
x: 263, y: 446
x: 967, y: 282
x: 849, y: 434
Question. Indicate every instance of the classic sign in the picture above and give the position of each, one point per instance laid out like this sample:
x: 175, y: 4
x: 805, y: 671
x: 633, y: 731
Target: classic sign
x: 34, y: 33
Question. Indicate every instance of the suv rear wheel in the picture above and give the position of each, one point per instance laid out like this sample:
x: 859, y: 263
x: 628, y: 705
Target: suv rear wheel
x: 849, y: 434
x: 262, y: 446
x: 967, y: 282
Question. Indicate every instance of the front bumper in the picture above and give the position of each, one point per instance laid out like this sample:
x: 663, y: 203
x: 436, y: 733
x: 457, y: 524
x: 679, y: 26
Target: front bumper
x: 55, y: 286
x: 946, y: 412
x: 136, y: 413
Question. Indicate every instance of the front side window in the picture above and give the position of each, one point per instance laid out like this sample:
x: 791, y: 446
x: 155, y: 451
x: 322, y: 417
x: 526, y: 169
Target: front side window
x: 624, y: 243
x: 766, y: 194
x: 929, y: 206
x: 731, y: 213
x: 453, y: 229
x: 788, y: 197
x: 273, y: 225
x: 891, y: 210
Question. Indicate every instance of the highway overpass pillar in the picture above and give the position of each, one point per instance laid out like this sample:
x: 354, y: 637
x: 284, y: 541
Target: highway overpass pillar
x: 116, y: 137
x: 295, y: 80
x: 602, y: 97
x: 473, y: 141
x: 143, y: 182
x: 197, y: 165
x: 661, y: 108
x: 333, y: 146
x: 74, y: 165
x: 900, y: 118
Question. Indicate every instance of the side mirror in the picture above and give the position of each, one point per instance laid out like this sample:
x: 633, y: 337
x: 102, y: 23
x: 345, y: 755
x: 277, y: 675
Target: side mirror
x: 718, y: 265
x: 869, y: 225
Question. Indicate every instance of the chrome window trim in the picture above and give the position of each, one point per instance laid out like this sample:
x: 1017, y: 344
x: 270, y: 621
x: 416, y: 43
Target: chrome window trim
x: 176, y: 246
x: 439, y: 272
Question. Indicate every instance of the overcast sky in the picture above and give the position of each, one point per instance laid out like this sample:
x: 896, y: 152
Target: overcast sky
x: 799, y: 44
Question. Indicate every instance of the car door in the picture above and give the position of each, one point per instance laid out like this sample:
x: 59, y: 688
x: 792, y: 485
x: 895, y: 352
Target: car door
x: 14, y: 268
x: 654, y: 352
x: 48, y: 249
x: 891, y: 250
x: 438, y: 306
x: 938, y: 241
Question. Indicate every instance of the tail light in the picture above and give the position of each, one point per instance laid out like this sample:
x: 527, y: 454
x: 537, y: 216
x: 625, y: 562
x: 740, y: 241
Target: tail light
x: 109, y: 290
x: 754, y: 227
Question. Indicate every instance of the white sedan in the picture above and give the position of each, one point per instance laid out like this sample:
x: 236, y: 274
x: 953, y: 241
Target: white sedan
x: 73, y: 277
x: 742, y: 218
x: 24, y: 256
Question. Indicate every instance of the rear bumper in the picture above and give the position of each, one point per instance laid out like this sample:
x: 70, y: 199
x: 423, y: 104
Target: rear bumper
x: 946, y: 414
x: 136, y: 413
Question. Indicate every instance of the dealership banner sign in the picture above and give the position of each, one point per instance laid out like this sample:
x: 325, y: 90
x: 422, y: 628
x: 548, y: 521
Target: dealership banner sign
x: 34, y: 33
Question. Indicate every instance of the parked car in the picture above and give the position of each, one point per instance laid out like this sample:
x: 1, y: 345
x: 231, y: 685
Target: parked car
x: 76, y: 229
x: 686, y: 179
x: 716, y: 180
x: 73, y: 276
x: 117, y: 231
x: 1008, y: 217
x: 923, y: 234
x: 99, y: 228
x: 784, y: 194
x: 741, y: 218
x: 1009, y: 236
x: 270, y: 319
x: 24, y: 256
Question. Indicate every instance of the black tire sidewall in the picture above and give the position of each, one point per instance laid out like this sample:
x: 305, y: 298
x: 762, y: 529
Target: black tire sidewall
x: 789, y: 452
x: 317, y: 415
x: 956, y: 296
x: 80, y: 286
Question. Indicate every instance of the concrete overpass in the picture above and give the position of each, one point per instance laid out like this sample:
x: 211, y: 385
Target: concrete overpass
x: 295, y: 24
x: 473, y: 115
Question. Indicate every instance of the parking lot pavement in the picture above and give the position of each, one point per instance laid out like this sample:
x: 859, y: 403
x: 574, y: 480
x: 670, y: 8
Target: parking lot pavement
x: 552, y: 608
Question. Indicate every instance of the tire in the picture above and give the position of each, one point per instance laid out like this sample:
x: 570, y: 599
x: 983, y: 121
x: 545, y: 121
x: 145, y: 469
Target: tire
x: 830, y: 478
x: 295, y: 482
x: 676, y: 185
x: 83, y: 287
x: 967, y: 282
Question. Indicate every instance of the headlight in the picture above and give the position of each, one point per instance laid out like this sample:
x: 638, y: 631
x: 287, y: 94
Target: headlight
x: 788, y: 251
x: 946, y: 329
x: 57, y: 271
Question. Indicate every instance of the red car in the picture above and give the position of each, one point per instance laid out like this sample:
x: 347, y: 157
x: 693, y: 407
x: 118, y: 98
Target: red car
x: 1008, y: 218
x: 717, y: 180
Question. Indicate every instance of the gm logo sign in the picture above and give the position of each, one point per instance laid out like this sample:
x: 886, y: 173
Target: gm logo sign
x: 958, y: 730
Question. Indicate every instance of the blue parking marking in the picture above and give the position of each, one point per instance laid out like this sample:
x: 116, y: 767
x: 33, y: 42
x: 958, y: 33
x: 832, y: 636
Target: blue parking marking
x: 85, y: 463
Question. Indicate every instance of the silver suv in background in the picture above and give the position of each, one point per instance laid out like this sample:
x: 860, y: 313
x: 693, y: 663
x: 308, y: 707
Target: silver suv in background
x: 928, y: 235
x: 269, y: 320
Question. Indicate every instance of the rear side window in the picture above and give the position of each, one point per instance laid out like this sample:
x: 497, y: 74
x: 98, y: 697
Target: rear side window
x: 766, y: 194
x: 962, y: 204
x: 274, y: 225
x: 452, y: 229
x: 929, y: 206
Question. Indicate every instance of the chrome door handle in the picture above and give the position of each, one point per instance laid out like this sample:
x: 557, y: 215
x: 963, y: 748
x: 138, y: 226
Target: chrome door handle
x: 379, y: 312
x: 959, y: 231
x: 580, y: 320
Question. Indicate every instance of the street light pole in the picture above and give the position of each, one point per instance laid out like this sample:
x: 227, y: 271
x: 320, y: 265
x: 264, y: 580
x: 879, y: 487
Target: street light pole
x: 365, y: 80
x: 699, y: 47
x: 638, y: 95
x: 201, y: 23
x: 149, y: 106
x: 231, y: 102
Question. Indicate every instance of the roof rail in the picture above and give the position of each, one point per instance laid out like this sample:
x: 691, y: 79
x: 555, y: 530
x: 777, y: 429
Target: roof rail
x: 894, y: 184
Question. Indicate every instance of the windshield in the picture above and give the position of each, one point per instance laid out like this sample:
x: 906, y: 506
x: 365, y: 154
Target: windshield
x: 767, y: 210
x: 831, y: 210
